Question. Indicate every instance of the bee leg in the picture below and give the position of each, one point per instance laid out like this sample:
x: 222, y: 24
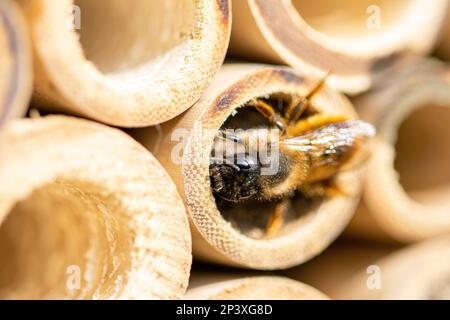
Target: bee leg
x: 269, y: 113
x: 298, y: 106
x: 322, y: 189
x: 277, y: 217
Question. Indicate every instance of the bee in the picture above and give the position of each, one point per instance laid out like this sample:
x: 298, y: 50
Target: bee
x: 312, y: 148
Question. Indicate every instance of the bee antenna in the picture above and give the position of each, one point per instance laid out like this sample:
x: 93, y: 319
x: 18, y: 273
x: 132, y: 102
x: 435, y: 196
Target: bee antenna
x: 319, y: 85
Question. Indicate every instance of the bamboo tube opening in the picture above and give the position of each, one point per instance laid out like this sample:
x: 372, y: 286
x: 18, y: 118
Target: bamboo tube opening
x: 80, y: 217
x: 243, y: 225
x: 117, y: 46
x: 422, y: 154
x: 407, y: 190
x: 349, y: 20
x: 233, y: 235
x: 126, y: 63
x: 356, y: 41
x: 252, y: 217
x: 61, y: 231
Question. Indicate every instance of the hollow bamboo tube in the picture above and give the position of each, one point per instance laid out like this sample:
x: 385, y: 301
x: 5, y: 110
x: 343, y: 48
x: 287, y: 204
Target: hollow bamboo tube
x: 421, y: 271
x: 184, y: 145
x: 15, y: 63
x: 87, y: 213
x: 331, y: 270
x: 407, y: 190
x: 126, y: 63
x: 222, y: 287
x: 355, y: 40
x: 444, y: 45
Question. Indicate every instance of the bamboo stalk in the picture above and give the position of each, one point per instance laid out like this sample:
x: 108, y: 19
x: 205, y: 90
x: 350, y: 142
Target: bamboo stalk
x: 355, y: 40
x: 421, y: 271
x: 15, y: 63
x: 407, y: 191
x: 222, y: 287
x: 81, y: 216
x: 444, y: 45
x: 131, y: 63
x: 184, y: 145
x: 335, y: 267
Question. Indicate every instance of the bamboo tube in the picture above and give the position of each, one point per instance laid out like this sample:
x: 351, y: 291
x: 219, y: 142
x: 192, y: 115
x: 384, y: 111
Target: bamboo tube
x: 15, y: 63
x: 355, y: 40
x: 184, y: 145
x: 420, y: 272
x: 407, y: 191
x: 222, y: 287
x: 131, y: 63
x: 444, y: 45
x: 87, y: 213
x: 331, y: 270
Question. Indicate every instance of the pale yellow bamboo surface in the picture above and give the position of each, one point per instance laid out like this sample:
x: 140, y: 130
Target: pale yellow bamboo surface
x: 216, y: 286
x: 125, y: 63
x: 15, y: 63
x: 407, y: 189
x: 81, y: 216
x: 354, y: 40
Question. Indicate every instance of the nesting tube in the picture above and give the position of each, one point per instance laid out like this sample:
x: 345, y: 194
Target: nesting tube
x: 334, y: 268
x: 125, y: 63
x: 355, y: 40
x: 407, y: 190
x: 87, y: 213
x: 250, y: 288
x: 419, y: 272
x: 233, y: 236
x: 444, y: 45
x: 15, y: 63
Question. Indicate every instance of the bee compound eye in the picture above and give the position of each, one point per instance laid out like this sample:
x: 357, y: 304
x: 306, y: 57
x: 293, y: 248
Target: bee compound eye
x: 246, y: 162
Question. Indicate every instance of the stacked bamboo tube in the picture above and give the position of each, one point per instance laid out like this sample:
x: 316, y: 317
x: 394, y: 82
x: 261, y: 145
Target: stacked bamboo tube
x: 355, y: 41
x: 420, y: 271
x: 216, y: 286
x: 215, y: 239
x: 407, y: 192
x: 77, y: 199
x: 92, y: 212
x: 444, y: 45
x: 15, y: 63
x: 401, y: 279
x: 122, y: 71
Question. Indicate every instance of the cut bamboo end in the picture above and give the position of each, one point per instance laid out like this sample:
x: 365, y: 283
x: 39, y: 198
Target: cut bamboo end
x: 15, y: 63
x: 420, y: 272
x: 354, y: 41
x: 407, y: 191
x: 126, y: 63
x: 233, y: 237
x: 253, y: 288
x: 81, y: 216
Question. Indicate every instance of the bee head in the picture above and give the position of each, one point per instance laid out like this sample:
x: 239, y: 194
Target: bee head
x: 235, y: 180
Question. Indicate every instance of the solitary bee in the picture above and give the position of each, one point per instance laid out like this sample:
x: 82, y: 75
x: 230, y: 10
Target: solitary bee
x: 311, y: 149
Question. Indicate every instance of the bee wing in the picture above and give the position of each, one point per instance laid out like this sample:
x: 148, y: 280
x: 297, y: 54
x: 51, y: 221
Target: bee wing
x: 334, y: 144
